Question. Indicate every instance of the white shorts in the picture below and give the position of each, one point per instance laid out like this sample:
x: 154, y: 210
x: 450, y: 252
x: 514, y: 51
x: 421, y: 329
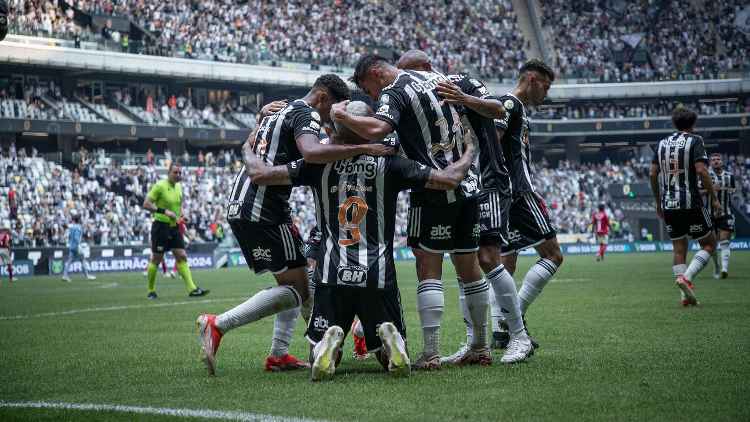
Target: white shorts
x: 602, y: 239
x: 5, y: 256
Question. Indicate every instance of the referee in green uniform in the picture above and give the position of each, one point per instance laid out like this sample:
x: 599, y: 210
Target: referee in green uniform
x: 164, y: 200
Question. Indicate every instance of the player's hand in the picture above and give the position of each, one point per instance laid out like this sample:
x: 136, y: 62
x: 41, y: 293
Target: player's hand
x: 272, y: 107
x: 451, y: 93
x: 338, y: 111
x: 183, y: 220
x: 170, y: 214
x: 378, y: 149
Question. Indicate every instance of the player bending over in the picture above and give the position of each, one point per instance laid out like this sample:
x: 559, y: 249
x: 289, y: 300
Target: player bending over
x: 680, y: 161
x: 261, y: 221
x: 356, y: 274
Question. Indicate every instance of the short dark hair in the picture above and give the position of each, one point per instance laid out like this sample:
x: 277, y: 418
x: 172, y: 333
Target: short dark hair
x: 364, y: 65
x: 76, y: 218
x: 601, y: 207
x: 715, y: 154
x: 683, y: 118
x: 172, y: 164
x: 536, y: 65
x: 334, y: 85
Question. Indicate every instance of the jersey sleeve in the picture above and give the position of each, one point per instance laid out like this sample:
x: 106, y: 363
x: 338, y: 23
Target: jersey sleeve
x: 155, y: 193
x: 699, y: 151
x: 391, y: 106
x: 732, y: 183
x: 407, y: 173
x: 512, y: 112
x: 304, y: 120
x: 304, y: 174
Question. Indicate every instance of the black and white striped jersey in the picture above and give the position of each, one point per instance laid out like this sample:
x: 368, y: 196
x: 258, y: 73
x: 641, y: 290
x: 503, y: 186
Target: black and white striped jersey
x: 676, y: 156
x: 726, y: 187
x: 515, y: 143
x: 430, y: 130
x: 275, y: 143
x: 356, y: 211
x: 493, y: 172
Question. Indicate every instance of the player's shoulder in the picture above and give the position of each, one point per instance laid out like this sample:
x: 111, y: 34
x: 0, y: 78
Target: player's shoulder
x: 511, y: 103
x: 300, y: 107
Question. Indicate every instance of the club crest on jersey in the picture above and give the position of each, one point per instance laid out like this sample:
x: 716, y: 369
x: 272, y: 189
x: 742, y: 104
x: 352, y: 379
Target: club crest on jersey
x: 364, y: 165
x: 352, y: 275
x: 385, y: 99
x: 508, y: 104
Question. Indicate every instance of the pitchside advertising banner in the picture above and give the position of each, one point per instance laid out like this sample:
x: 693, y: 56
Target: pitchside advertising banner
x: 402, y: 254
x: 132, y: 263
x: 21, y: 268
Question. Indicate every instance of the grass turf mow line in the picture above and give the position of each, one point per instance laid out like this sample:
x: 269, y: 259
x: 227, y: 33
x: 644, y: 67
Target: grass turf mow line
x: 162, y: 411
x: 112, y: 308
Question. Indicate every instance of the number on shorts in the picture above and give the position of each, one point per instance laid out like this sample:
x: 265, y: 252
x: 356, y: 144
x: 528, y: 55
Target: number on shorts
x: 350, y: 221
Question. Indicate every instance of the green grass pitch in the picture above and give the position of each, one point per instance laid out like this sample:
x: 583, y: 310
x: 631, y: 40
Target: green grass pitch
x: 615, y: 345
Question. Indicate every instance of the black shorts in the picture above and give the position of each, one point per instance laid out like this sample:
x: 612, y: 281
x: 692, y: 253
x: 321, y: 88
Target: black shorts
x: 312, y: 247
x: 441, y: 228
x: 334, y: 305
x: 683, y: 223
x: 165, y: 237
x: 529, y: 223
x: 274, y: 248
x: 493, y: 218
x: 725, y: 222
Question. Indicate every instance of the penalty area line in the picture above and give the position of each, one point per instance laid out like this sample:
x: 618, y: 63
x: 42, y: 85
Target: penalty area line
x: 112, y: 308
x: 161, y: 411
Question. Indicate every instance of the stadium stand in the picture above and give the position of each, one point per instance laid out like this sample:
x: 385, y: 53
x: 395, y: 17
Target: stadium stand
x: 596, y: 40
x: 48, y: 193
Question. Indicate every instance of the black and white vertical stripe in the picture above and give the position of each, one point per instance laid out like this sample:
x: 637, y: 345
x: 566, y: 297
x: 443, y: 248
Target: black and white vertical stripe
x: 532, y: 202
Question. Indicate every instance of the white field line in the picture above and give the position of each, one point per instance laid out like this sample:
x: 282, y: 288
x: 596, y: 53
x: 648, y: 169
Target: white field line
x: 114, y: 308
x: 161, y: 411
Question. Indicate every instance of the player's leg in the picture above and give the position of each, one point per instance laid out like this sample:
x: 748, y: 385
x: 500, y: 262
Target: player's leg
x: 164, y: 266
x: 332, y: 309
x: 277, y: 249
x: 430, y: 305
x: 381, y: 318
x: 700, y: 229
x: 68, y: 261
x: 474, y: 308
x: 540, y: 273
x: 725, y: 248
x: 176, y: 244
x: 159, y: 245
x: 603, y: 246
x: 151, y: 270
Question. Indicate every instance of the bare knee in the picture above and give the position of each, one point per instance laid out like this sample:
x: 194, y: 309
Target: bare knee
x: 489, y: 258
x: 429, y: 265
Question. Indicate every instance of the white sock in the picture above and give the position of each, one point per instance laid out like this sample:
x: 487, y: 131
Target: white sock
x: 700, y: 260
x: 477, y: 300
x: 496, y: 314
x: 264, y: 303
x: 283, y: 329
x: 465, y: 313
x: 679, y: 270
x: 358, y: 330
x: 506, y: 297
x: 534, y: 281
x: 725, y: 247
x: 430, y: 304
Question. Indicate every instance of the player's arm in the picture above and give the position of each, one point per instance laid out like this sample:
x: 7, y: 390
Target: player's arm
x: 316, y: 153
x: 370, y: 128
x: 272, y: 107
x: 260, y: 172
x: 487, y: 107
x: 149, y: 203
x: 654, y: 179
x: 449, y: 177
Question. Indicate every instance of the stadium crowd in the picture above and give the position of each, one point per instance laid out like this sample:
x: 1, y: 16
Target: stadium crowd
x: 108, y: 194
x: 604, y: 40
x: 613, y: 110
x: 644, y: 40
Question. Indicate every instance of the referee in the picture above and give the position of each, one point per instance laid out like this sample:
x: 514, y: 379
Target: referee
x: 164, y: 200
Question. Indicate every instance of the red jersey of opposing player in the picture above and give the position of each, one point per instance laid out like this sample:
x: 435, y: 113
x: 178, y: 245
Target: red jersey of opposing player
x: 601, y: 223
x: 5, y: 239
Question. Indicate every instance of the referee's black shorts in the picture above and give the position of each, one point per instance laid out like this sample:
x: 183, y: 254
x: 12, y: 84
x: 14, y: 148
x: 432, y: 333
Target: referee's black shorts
x: 165, y: 237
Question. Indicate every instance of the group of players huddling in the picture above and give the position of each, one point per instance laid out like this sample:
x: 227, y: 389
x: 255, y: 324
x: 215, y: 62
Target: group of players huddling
x: 462, y: 152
